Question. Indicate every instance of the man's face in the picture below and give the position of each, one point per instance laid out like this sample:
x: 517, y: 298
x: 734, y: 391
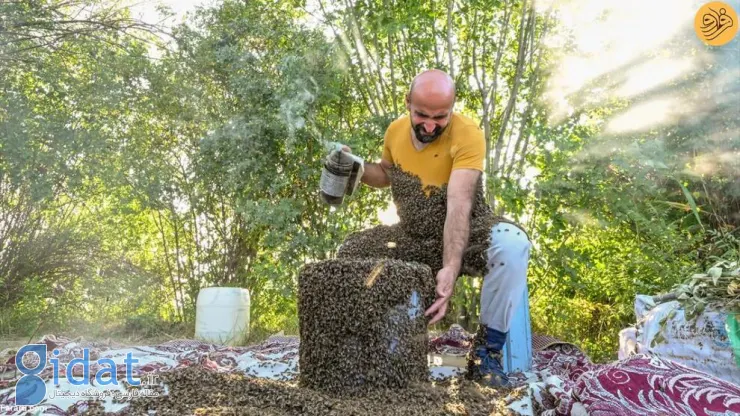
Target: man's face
x: 428, y: 121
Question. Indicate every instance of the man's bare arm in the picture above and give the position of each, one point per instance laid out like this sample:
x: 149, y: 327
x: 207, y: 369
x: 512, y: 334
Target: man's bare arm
x: 375, y: 174
x: 460, y: 194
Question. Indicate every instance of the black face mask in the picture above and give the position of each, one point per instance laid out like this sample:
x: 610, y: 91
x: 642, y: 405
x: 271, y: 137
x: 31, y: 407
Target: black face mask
x: 427, y: 138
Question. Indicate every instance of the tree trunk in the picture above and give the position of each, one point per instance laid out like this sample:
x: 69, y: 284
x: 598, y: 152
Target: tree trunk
x: 527, y: 23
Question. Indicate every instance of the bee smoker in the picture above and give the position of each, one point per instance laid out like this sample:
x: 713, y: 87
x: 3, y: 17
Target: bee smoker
x: 340, y: 176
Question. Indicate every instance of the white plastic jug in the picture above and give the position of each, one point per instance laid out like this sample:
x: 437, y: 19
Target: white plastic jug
x: 222, y: 315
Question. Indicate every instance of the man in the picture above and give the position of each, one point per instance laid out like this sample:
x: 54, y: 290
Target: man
x: 445, y: 148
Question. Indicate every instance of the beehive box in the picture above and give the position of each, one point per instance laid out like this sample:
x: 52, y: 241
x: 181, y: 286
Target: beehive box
x: 362, y: 324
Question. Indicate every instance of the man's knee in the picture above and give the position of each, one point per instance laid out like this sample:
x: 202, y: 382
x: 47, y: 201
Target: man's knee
x: 508, y: 243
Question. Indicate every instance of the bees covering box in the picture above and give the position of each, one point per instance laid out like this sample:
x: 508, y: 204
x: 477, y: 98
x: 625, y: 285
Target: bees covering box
x: 362, y: 324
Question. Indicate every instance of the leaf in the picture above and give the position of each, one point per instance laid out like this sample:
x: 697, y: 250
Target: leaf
x: 678, y: 205
x: 692, y: 202
x: 715, y: 273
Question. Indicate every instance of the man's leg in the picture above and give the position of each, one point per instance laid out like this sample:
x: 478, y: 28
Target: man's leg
x: 503, y: 286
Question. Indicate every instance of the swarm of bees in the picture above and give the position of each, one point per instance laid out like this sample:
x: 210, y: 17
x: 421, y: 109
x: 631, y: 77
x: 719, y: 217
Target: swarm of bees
x: 362, y: 325
x: 419, y: 234
x: 423, y: 209
x: 200, y: 391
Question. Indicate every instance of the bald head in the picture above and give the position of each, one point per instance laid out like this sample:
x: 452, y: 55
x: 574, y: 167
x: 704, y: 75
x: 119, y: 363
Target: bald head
x: 430, y: 101
x: 432, y: 87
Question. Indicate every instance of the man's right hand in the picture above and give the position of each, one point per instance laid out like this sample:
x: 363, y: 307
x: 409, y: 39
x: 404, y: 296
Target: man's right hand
x: 375, y: 174
x: 338, y: 147
x: 335, y: 159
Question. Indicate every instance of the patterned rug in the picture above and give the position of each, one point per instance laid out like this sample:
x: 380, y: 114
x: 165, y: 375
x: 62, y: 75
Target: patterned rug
x: 563, y: 381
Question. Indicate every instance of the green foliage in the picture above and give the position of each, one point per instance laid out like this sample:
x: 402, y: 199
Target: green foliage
x: 615, y: 214
x: 717, y: 287
x: 195, y: 169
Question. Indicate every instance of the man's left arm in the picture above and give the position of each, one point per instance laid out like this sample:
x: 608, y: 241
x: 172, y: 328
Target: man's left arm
x: 460, y: 194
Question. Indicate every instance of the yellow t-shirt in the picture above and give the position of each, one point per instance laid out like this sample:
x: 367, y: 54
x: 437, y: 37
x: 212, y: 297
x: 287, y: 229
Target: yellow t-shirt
x: 461, y: 146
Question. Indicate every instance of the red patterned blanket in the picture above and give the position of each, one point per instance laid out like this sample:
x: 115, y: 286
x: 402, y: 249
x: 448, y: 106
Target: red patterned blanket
x: 563, y: 380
